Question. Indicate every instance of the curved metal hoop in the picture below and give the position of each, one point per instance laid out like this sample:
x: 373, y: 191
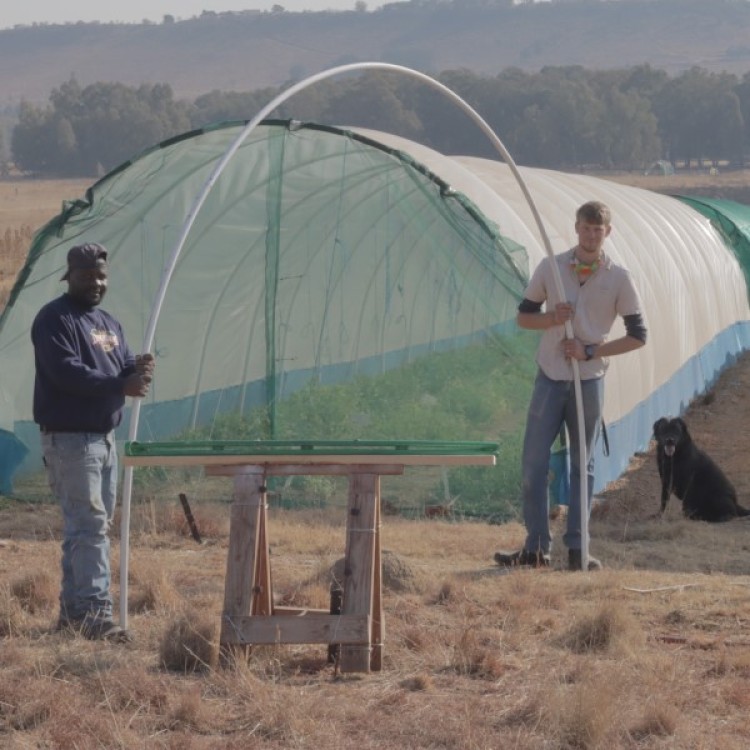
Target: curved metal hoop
x: 190, y: 220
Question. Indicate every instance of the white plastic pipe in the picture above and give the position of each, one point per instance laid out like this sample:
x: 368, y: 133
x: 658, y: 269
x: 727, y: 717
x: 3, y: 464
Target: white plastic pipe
x: 148, y: 338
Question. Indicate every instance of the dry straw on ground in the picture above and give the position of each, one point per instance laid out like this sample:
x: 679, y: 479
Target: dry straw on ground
x: 25, y: 206
x: 632, y: 656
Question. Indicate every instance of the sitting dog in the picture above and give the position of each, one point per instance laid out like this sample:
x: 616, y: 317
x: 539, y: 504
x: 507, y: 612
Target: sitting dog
x: 689, y: 473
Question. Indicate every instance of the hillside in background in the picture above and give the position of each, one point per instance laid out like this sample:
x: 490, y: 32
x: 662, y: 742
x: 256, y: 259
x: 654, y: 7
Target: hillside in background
x: 250, y: 50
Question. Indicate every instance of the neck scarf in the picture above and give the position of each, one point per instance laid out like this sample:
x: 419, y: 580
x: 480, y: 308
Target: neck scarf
x: 584, y: 270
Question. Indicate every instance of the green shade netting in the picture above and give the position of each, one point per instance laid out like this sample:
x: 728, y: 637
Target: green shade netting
x: 330, y: 288
x: 732, y: 220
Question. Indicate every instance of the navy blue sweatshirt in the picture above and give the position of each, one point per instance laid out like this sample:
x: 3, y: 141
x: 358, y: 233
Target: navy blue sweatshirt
x: 81, y: 361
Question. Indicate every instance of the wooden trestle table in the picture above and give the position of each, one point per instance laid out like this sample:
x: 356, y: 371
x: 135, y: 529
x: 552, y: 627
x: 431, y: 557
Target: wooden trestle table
x: 250, y: 616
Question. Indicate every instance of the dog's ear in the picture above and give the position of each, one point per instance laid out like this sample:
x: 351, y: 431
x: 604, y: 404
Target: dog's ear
x: 659, y: 425
x: 683, y: 425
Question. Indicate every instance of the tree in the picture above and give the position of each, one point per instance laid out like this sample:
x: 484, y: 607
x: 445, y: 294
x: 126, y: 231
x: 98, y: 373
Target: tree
x: 561, y: 117
x: 373, y: 101
x: 700, y: 116
x: 65, y: 145
x: 32, y: 147
x: 224, y: 106
x: 4, y: 166
x: 729, y: 129
x: 628, y: 131
x: 446, y: 128
x: 644, y: 80
x: 743, y: 94
x: 563, y: 122
x: 99, y: 126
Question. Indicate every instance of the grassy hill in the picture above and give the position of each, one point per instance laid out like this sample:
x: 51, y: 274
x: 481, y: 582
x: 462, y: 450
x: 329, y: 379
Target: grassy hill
x: 248, y: 50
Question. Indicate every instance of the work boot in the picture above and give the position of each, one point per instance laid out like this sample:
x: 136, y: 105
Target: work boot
x: 575, y: 560
x: 522, y: 559
x: 97, y: 629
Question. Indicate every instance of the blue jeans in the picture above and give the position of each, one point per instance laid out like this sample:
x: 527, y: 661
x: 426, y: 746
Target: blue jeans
x: 553, y: 403
x: 82, y: 472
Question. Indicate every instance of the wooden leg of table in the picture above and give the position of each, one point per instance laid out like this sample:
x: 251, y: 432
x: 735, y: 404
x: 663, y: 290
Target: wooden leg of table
x: 378, y: 623
x: 262, y: 590
x: 359, y: 564
x: 247, y: 588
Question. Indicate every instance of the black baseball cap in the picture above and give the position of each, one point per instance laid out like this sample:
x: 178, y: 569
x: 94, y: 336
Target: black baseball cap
x: 86, y: 256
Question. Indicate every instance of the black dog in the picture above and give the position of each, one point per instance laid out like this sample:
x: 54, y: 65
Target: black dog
x: 688, y: 472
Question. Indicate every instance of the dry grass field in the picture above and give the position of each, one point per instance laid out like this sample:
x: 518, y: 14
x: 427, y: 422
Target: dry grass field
x: 730, y: 184
x: 651, y: 653
x: 25, y: 206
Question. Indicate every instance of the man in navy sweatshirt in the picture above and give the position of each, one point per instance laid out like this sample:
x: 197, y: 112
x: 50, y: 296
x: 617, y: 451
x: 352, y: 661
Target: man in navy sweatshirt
x: 84, y: 371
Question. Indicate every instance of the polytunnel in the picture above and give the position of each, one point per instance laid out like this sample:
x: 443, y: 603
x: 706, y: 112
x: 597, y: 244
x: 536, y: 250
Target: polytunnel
x: 342, y: 284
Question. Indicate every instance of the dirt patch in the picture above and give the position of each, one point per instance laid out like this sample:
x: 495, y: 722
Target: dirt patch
x: 624, y: 528
x: 718, y: 422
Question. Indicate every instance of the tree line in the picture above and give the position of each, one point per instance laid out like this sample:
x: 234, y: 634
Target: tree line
x: 565, y: 118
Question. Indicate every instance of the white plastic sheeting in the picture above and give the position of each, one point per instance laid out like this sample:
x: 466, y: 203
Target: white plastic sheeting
x: 692, y: 287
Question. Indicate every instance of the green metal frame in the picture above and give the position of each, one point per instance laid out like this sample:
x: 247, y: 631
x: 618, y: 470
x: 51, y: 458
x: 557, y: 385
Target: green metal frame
x: 310, y: 448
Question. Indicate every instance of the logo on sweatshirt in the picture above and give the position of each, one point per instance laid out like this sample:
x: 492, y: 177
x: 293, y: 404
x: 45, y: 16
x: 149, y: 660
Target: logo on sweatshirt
x: 107, y: 341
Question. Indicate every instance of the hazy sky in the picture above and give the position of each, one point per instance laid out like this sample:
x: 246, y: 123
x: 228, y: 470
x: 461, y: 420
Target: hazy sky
x: 133, y: 11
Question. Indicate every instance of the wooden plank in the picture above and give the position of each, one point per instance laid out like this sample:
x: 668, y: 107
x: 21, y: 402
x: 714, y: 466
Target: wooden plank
x: 298, y: 611
x: 244, y: 536
x: 296, y: 459
x: 359, y: 563
x: 262, y: 587
x: 310, y: 628
x: 282, y: 470
x: 378, y: 621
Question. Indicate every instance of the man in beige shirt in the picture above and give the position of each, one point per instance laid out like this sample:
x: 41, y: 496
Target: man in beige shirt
x: 597, y: 291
